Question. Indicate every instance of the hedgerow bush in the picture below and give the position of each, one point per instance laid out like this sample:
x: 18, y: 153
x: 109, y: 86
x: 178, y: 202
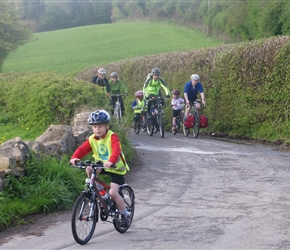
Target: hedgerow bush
x: 42, y: 99
x: 246, y: 85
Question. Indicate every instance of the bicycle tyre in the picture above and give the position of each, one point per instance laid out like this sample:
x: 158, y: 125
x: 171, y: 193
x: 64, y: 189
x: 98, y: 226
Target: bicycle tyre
x: 143, y: 124
x: 119, y: 114
x: 83, y: 224
x: 143, y: 127
x: 128, y: 196
x: 186, y: 131
x: 161, y: 124
x: 150, y: 126
x: 174, y: 131
x: 137, y: 127
x: 196, y: 125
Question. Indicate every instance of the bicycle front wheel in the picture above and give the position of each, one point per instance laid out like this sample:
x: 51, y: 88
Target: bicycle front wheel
x: 143, y: 127
x: 128, y: 196
x: 119, y: 114
x: 186, y: 131
x: 196, y: 124
x: 161, y: 124
x: 150, y: 126
x: 84, y: 218
x: 174, y: 131
x: 137, y: 127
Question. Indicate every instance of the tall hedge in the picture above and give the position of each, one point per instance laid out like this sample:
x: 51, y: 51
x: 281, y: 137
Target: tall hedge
x: 246, y: 84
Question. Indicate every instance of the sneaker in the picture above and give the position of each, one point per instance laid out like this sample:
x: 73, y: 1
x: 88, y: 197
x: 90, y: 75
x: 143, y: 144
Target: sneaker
x: 125, y: 220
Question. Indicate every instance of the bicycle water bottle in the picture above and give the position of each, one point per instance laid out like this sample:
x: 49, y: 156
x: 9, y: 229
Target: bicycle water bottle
x: 105, y: 197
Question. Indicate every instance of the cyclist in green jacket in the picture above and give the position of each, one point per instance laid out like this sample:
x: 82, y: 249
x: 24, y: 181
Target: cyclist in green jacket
x: 117, y: 87
x: 152, y: 87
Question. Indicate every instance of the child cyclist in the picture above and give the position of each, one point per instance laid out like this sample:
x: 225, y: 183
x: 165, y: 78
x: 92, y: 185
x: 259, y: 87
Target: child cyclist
x: 177, y: 104
x: 105, y: 146
x: 138, y: 105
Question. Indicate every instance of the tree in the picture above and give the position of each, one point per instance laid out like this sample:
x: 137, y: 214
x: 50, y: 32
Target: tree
x: 31, y: 12
x: 12, y: 32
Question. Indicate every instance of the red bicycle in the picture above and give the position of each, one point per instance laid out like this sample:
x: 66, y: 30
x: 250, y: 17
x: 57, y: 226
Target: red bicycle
x: 94, y: 202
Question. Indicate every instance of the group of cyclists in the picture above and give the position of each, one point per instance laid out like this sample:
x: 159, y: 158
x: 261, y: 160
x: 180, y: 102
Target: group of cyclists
x: 105, y: 145
x: 152, y: 87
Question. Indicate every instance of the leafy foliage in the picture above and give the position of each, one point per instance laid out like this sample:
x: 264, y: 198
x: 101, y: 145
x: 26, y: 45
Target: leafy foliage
x: 48, y: 185
x: 12, y: 33
x: 231, y: 20
x: 42, y: 99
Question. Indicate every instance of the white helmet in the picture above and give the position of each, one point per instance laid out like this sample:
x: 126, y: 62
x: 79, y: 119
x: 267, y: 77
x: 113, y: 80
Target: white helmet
x: 102, y: 71
x: 114, y: 75
x: 194, y: 77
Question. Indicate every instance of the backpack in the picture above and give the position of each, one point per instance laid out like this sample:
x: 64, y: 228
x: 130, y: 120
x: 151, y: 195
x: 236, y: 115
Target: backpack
x: 203, y: 121
x: 188, y: 123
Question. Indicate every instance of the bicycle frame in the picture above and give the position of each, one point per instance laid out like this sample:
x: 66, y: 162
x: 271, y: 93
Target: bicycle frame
x: 94, y: 189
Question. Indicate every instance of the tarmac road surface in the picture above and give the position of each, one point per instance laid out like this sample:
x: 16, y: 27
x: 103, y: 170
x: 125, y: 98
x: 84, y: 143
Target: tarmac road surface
x: 202, y: 193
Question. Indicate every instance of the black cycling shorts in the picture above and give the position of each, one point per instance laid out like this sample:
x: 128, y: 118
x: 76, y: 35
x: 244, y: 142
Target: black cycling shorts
x: 115, y: 178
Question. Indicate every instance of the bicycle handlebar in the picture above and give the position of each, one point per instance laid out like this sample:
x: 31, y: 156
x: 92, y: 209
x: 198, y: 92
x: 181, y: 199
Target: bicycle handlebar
x: 118, y: 95
x: 157, y: 98
x: 95, y: 165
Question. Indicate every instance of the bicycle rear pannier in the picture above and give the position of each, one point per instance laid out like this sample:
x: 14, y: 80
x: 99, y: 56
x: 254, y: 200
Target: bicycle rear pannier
x: 203, y: 121
x: 188, y: 123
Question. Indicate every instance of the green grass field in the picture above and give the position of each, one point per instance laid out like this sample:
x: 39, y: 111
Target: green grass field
x: 73, y: 50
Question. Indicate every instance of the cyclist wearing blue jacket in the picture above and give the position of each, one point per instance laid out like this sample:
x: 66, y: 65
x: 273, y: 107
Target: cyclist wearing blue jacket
x: 191, y: 89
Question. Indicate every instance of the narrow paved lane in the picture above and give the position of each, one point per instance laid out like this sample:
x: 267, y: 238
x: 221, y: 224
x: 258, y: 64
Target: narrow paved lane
x: 194, y: 194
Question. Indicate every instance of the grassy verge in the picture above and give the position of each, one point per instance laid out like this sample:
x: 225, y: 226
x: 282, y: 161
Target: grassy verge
x: 48, y: 185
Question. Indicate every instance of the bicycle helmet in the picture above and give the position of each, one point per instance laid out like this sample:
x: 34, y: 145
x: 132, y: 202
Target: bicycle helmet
x: 175, y: 92
x: 194, y: 77
x: 114, y: 75
x: 99, y: 117
x: 139, y: 93
x: 155, y: 71
x: 102, y: 71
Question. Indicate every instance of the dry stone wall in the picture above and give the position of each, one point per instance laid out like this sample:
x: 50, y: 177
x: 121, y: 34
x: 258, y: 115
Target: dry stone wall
x: 55, y: 141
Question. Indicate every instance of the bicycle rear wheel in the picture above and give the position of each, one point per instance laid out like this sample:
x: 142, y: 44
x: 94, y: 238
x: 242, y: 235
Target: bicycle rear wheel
x: 137, y: 127
x: 84, y: 219
x: 196, y: 125
x: 128, y: 196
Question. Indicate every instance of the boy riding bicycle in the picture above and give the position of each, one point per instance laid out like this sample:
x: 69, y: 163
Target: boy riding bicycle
x: 105, y: 146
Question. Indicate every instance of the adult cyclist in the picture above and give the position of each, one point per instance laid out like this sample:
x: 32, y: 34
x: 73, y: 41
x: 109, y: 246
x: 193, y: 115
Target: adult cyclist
x: 191, y: 89
x: 117, y: 87
x: 101, y: 79
x: 152, y: 88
